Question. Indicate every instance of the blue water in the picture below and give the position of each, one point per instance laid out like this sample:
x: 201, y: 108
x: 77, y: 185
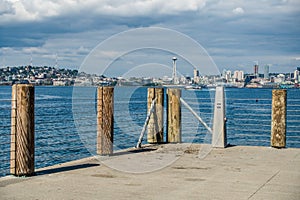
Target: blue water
x: 65, y: 120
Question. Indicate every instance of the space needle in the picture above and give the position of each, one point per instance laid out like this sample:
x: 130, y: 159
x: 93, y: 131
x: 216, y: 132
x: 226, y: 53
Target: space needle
x: 174, y: 77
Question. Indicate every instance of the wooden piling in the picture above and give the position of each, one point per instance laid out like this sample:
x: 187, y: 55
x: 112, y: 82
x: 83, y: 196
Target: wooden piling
x: 155, y: 125
x: 278, y: 129
x: 105, y: 120
x: 22, y: 130
x: 173, y: 115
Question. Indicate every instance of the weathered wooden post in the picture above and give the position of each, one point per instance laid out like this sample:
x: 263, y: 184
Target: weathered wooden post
x: 22, y: 130
x: 105, y: 120
x: 173, y: 115
x: 219, y: 137
x: 278, y: 129
x: 155, y: 125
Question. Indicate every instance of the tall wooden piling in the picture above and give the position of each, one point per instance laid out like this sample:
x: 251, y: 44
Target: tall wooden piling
x: 173, y: 115
x: 22, y: 130
x: 105, y: 120
x: 278, y: 129
x: 155, y: 125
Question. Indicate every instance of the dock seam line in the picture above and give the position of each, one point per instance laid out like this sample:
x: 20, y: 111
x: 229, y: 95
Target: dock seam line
x: 264, y: 184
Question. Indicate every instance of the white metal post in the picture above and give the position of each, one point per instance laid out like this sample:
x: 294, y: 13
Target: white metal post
x: 219, y: 138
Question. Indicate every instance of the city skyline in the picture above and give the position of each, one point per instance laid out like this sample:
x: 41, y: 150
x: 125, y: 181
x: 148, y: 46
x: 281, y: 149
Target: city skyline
x: 171, y: 71
x: 235, y: 34
x: 49, y: 75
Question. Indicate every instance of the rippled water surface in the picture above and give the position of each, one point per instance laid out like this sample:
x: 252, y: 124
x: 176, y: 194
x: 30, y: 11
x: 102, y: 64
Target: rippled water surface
x: 65, y: 120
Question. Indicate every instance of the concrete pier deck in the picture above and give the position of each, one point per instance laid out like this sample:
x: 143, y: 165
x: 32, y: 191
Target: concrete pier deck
x: 169, y: 171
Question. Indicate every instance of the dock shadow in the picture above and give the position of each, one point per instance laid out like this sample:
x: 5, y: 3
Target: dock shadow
x: 64, y: 169
x: 138, y: 150
x: 230, y: 145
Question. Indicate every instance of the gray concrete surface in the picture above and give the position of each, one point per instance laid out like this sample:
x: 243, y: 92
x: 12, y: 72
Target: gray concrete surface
x: 170, y: 171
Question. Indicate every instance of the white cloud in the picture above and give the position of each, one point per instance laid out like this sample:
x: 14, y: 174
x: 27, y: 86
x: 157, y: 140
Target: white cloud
x: 34, y: 50
x: 233, y: 29
x: 16, y: 13
x: 35, y: 10
x: 255, y: 8
x: 108, y: 54
x: 238, y: 11
x: 7, y: 50
x: 50, y: 56
x: 83, y: 50
x: 5, y: 7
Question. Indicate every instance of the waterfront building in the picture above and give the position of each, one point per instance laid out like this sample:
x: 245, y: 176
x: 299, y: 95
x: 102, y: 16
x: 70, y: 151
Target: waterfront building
x: 183, y: 80
x: 279, y: 78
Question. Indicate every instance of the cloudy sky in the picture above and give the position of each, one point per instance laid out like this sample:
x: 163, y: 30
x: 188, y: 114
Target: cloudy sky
x: 234, y: 33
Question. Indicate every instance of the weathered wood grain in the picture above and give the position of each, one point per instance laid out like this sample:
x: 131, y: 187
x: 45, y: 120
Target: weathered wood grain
x: 278, y: 124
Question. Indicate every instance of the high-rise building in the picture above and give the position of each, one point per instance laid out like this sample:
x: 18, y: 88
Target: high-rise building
x: 224, y: 73
x: 196, y: 73
x: 228, y: 75
x: 296, y: 76
x: 241, y: 75
x: 266, y: 72
x: 235, y: 74
x: 196, y: 76
x: 238, y: 75
x: 256, y: 70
